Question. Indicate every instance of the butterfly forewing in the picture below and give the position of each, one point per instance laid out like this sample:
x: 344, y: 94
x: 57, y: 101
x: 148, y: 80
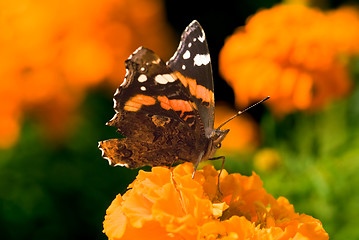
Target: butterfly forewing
x: 192, y: 63
x: 150, y: 87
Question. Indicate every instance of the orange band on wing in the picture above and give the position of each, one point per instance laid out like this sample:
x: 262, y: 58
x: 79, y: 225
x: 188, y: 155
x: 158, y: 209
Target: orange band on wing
x: 132, y: 106
x: 165, y: 104
x: 198, y: 91
x: 183, y: 79
x: 180, y: 105
x: 145, y: 100
x: 175, y: 104
x: 135, y: 103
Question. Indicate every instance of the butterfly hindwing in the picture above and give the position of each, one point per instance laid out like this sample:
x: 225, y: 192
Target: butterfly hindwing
x: 192, y: 64
x: 169, y: 142
x: 134, y: 154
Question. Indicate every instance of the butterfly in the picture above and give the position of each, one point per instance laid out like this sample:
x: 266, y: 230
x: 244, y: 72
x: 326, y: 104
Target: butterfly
x: 166, y: 110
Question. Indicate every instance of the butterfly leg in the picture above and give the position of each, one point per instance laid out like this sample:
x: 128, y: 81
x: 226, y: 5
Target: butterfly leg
x: 196, y: 165
x: 220, y: 171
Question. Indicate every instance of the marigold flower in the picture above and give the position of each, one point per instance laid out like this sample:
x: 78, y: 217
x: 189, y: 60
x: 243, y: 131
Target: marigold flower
x: 52, y: 51
x: 293, y: 53
x: 169, y: 204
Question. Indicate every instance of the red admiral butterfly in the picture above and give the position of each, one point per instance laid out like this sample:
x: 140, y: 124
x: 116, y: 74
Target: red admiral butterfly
x: 166, y: 110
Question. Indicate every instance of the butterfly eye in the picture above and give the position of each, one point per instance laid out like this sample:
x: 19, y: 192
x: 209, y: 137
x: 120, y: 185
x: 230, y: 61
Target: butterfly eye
x: 219, y: 145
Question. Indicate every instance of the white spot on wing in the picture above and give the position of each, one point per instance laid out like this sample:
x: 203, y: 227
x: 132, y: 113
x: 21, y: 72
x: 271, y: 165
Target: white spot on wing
x: 142, y: 78
x: 143, y: 88
x: 169, y: 77
x: 190, y: 44
x: 160, y: 79
x: 164, y: 78
x: 202, y: 38
x: 183, y: 67
x: 186, y: 55
x: 201, y: 59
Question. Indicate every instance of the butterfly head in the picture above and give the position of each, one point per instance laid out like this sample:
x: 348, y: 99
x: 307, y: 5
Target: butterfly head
x: 217, y: 137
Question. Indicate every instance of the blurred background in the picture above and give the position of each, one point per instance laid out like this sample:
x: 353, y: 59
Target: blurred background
x: 61, y: 62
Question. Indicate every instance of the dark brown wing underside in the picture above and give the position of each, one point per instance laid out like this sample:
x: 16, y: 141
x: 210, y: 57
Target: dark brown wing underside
x: 156, y: 141
x: 135, y: 154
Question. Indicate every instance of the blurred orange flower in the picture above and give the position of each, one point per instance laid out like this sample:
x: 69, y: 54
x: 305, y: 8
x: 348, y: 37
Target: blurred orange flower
x: 293, y: 53
x: 52, y: 51
x: 244, y: 131
x: 169, y: 204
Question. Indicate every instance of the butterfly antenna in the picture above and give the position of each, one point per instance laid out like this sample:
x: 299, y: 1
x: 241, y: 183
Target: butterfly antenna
x: 246, y: 109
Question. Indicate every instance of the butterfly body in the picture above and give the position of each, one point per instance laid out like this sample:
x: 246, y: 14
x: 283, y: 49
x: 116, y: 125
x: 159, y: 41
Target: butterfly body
x: 165, y: 110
